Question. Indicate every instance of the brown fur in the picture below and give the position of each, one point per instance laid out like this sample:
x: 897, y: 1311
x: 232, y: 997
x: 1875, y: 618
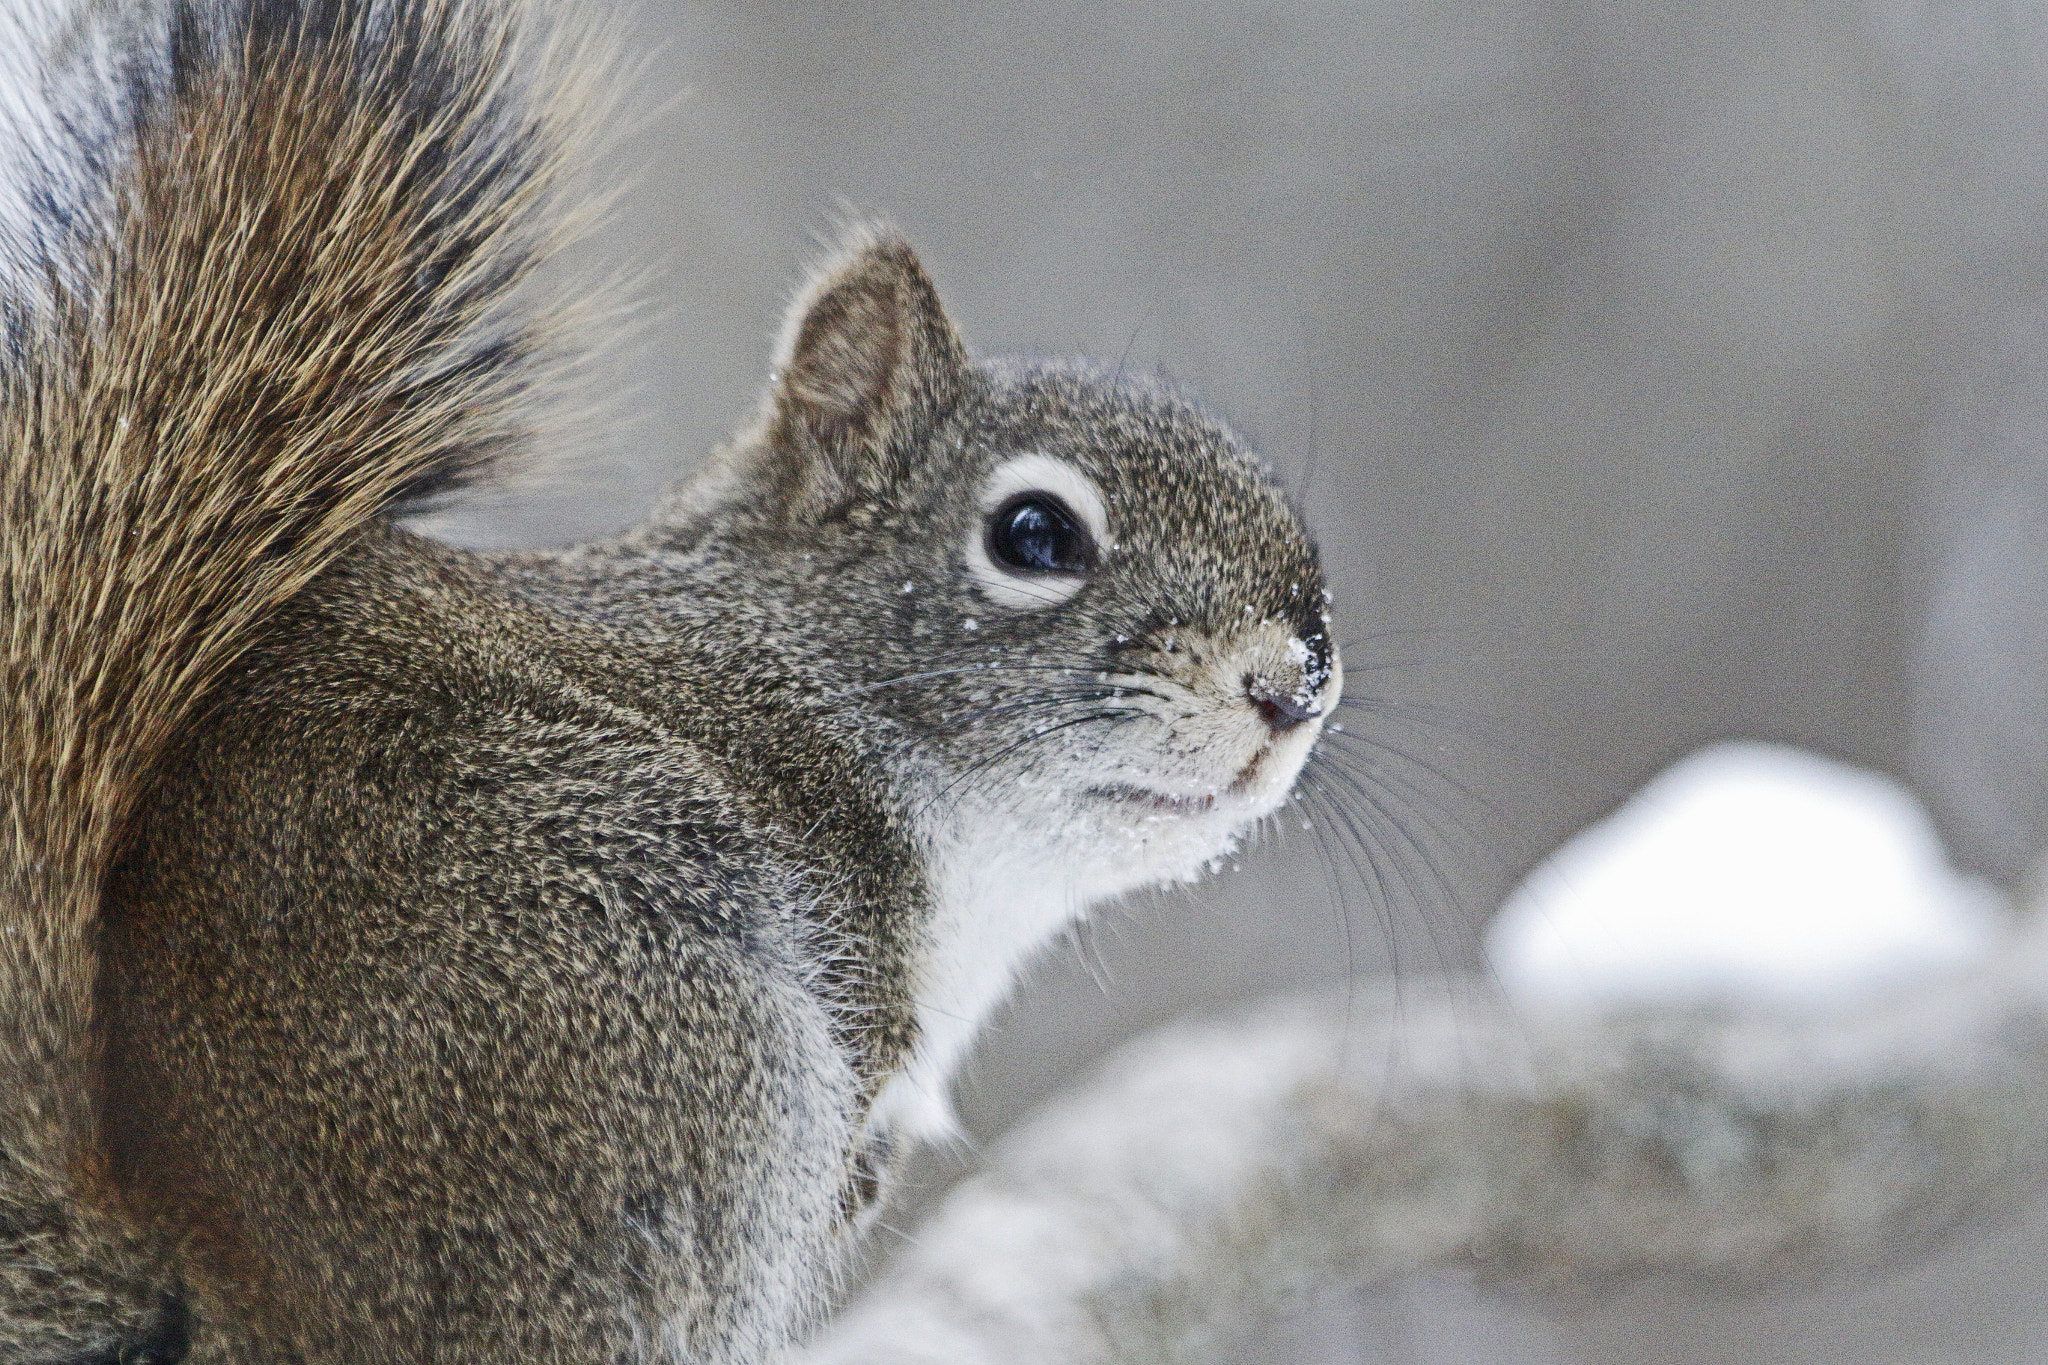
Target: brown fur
x: 427, y: 956
x: 297, y: 315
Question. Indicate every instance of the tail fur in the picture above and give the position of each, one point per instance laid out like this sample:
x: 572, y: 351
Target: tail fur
x: 288, y: 304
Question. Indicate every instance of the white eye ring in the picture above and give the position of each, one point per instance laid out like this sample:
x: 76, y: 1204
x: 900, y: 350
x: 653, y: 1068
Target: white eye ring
x: 1029, y: 474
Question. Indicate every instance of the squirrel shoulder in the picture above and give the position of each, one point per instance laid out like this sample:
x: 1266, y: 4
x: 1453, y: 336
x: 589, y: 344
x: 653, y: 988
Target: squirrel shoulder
x: 463, y: 957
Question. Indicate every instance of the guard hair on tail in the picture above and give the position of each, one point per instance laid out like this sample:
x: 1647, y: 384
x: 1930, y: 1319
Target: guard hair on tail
x: 263, y: 265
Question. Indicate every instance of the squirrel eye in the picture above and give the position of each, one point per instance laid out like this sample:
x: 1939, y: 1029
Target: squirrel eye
x: 1036, y: 533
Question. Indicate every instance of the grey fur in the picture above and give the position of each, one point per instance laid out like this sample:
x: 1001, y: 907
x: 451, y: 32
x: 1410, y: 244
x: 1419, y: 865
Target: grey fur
x: 474, y: 958
x: 586, y: 893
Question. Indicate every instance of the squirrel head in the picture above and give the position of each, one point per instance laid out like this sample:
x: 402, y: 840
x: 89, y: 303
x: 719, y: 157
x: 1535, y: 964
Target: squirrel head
x: 1072, y: 601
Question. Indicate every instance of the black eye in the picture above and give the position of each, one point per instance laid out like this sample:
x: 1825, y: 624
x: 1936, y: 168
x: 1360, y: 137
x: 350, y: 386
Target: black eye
x: 1037, y: 533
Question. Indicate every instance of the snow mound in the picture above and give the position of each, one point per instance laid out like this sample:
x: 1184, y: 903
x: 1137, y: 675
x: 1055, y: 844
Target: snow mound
x: 1745, y: 873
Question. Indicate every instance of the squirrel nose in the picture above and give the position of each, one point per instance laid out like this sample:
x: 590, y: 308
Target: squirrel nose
x: 1280, y: 711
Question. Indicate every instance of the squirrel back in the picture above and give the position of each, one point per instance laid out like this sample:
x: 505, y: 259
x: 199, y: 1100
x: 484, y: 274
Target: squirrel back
x: 416, y: 954
x: 271, y: 294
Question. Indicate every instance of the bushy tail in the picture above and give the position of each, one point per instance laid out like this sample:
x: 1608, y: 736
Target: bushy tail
x: 288, y: 304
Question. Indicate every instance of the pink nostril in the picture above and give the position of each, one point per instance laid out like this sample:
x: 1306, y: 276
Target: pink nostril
x: 1281, y: 713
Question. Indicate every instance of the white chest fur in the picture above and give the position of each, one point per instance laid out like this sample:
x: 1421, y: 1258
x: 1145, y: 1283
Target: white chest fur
x: 999, y: 901
x: 1005, y: 885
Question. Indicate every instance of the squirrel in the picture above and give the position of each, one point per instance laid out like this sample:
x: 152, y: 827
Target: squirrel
x: 416, y: 954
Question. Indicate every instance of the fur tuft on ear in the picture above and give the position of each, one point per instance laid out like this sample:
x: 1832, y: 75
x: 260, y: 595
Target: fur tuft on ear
x: 868, y: 363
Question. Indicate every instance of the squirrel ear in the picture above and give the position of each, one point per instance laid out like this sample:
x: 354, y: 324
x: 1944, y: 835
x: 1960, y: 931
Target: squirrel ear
x: 868, y: 364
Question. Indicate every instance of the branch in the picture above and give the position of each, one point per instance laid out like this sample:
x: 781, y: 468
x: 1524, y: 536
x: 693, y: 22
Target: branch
x: 1213, y: 1173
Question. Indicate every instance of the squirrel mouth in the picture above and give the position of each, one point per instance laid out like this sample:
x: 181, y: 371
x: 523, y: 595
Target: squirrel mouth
x: 1157, y: 800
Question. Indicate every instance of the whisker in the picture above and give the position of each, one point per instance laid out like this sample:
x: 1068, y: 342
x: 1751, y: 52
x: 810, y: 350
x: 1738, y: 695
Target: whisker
x: 1462, y: 722
x: 1093, y: 960
x: 990, y: 760
x: 1333, y: 894
x: 1366, y: 863
x: 1435, y: 632
x: 1424, y: 803
x: 1354, y: 739
x: 1428, y: 805
x: 1442, y: 893
x: 1118, y: 376
x: 1308, y: 370
x: 971, y: 714
x: 984, y: 667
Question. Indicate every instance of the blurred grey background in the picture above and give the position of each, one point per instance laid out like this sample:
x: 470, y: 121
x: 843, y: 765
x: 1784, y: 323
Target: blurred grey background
x: 1652, y: 373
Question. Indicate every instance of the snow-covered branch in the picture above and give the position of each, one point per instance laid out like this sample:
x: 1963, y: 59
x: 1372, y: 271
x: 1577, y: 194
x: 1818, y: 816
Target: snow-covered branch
x: 1214, y: 1172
